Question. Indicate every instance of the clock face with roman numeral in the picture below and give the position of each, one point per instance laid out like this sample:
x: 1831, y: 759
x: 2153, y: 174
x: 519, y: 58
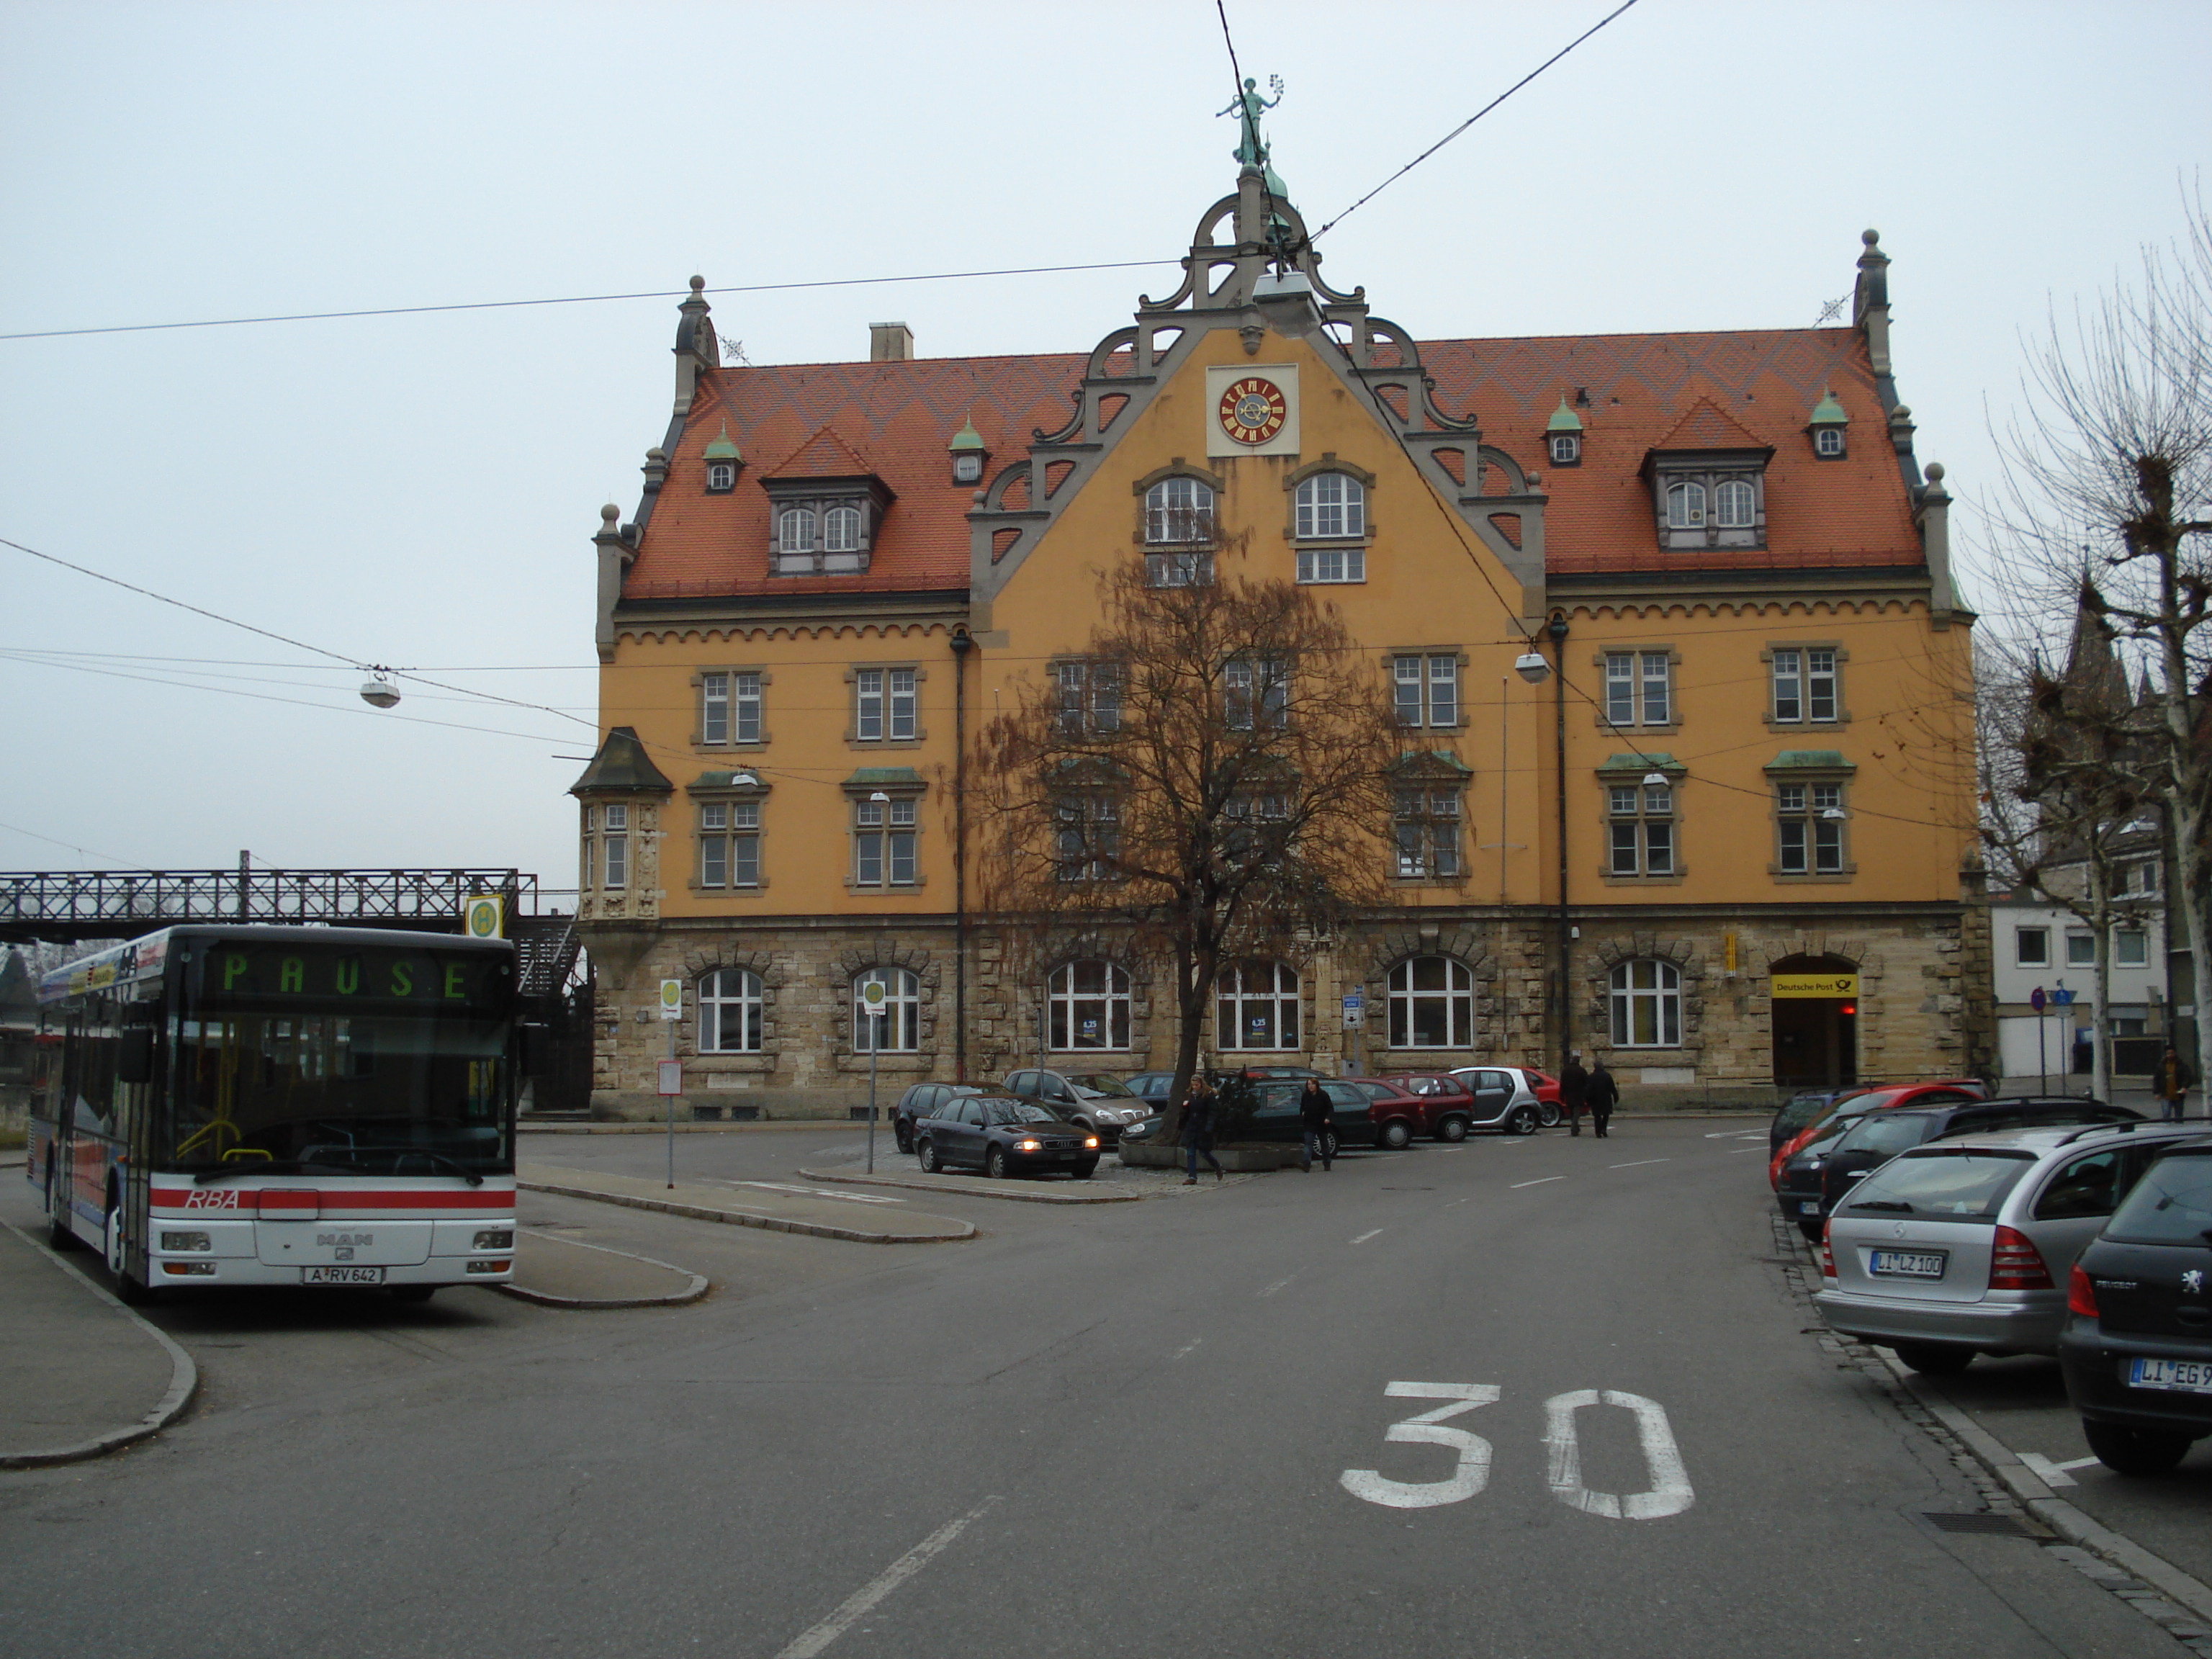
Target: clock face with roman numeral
x: 1253, y: 410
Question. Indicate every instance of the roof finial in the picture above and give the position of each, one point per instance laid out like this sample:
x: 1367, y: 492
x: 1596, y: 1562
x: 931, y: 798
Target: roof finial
x: 1251, y: 149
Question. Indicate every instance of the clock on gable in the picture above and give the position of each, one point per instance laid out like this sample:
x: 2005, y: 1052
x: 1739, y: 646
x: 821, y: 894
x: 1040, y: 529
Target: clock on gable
x: 1255, y: 410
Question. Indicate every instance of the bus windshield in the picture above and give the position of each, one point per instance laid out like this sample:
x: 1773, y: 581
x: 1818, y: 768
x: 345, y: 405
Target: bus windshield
x: 352, y: 1094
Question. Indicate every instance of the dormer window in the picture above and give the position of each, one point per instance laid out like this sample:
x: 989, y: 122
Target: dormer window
x: 968, y: 454
x: 1707, y: 479
x: 722, y: 461
x: 841, y: 530
x: 1826, y: 427
x: 1563, y: 435
x: 1736, y: 505
x: 1686, y: 506
x: 794, y: 532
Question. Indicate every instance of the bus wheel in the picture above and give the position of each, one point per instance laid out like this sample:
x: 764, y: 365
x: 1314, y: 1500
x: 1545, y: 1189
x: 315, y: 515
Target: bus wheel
x: 129, y: 1290
x: 58, y: 1228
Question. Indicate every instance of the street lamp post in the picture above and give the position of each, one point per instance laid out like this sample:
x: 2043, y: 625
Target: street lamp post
x: 1556, y: 631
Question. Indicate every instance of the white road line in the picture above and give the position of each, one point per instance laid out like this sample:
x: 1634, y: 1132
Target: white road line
x: 1187, y: 1347
x: 2053, y: 1474
x: 1738, y: 1135
x: 1639, y: 1163
x: 1276, y: 1286
x: 1518, y: 1185
x: 1364, y: 1237
x: 861, y: 1599
x: 2078, y: 1463
x: 1749, y: 1149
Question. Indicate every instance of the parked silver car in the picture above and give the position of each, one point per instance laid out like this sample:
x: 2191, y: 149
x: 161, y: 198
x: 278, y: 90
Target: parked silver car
x: 1091, y: 1100
x: 1505, y: 1099
x: 1963, y: 1246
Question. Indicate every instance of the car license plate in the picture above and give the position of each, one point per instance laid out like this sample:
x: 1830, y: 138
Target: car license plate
x: 1906, y: 1264
x: 2181, y: 1376
x: 1808, y: 1207
x: 342, y: 1275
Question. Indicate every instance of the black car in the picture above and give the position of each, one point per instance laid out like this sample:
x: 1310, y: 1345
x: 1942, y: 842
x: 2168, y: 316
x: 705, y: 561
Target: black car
x: 1002, y: 1134
x: 918, y: 1103
x: 1150, y: 1087
x: 1275, y: 1116
x: 1879, y: 1136
x: 2137, y: 1346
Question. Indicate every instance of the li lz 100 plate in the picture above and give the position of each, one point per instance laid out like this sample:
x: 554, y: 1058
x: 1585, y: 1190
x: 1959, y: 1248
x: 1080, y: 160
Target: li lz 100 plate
x: 2178, y: 1375
x: 1906, y: 1264
x: 342, y: 1275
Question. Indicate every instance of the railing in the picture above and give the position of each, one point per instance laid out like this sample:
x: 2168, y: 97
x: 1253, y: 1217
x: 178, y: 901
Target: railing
x: 60, y: 904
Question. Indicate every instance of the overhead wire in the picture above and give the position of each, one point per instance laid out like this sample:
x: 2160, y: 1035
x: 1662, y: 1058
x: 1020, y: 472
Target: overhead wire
x: 578, y: 300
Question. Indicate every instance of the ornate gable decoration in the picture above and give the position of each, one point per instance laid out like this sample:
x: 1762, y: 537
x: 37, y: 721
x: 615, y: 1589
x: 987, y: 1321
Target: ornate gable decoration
x: 1251, y: 268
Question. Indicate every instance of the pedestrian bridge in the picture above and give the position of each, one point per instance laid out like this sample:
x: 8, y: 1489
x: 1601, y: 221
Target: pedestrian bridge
x: 67, y: 905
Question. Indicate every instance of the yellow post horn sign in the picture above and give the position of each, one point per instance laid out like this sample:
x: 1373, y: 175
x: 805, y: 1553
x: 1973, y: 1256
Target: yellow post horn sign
x: 1814, y: 985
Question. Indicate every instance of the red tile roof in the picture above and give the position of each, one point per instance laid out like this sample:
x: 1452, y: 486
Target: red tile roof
x: 1753, y: 389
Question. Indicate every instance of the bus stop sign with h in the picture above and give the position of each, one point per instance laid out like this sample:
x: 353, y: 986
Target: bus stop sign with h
x: 672, y: 1069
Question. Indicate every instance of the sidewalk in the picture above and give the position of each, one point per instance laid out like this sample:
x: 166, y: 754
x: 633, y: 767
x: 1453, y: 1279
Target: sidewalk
x: 82, y: 1374
x: 567, y: 1273
x: 856, y: 1220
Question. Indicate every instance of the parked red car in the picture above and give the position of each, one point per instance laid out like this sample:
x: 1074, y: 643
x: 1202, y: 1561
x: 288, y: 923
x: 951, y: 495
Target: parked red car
x: 1877, y: 1098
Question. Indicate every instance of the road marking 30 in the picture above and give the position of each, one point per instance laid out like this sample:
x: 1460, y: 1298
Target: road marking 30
x: 861, y: 1599
x: 1668, y: 1493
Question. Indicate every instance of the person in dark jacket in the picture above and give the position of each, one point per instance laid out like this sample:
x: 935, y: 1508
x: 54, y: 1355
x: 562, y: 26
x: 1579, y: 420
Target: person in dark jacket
x: 1603, y: 1095
x: 1200, y: 1109
x: 1317, y: 1120
x: 2172, y: 1081
x: 1574, y: 1091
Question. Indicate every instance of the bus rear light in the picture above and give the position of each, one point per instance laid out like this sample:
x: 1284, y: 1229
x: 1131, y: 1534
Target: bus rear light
x: 487, y: 1267
x: 2017, y: 1264
x: 202, y: 1269
x: 185, y: 1241
x: 494, y: 1238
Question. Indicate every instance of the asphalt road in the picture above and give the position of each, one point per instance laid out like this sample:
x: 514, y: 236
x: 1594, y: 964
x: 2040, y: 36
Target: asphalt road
x: 1147, y: 1429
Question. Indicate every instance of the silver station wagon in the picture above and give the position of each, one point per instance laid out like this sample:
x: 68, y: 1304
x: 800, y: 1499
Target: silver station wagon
x: 1963, y: 1246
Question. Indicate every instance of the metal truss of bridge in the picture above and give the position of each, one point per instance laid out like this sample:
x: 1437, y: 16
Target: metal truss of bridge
x: 66, y: 905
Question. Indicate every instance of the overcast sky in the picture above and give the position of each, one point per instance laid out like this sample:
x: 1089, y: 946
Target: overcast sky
x: 420, y: 490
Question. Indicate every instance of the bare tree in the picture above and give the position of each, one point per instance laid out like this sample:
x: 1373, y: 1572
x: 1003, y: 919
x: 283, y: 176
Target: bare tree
x: 2106, y: 509
x: 1209, y: 779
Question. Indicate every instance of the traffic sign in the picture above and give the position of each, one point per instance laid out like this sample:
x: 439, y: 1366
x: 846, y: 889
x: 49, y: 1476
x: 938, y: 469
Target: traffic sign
x: 2036, y: 999
x: 672, y: 1077
x: 671, y: 999
x: 2061, y: 998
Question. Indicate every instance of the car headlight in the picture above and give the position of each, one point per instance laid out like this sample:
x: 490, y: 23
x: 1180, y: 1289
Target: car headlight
x: 1025, y: 1146
x: 184, y: 1241
x: 1091, y: 1142
x: 494, y: 1238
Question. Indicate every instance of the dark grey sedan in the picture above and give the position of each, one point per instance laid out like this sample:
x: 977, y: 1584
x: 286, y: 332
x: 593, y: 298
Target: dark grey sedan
x: 1003, y: 1135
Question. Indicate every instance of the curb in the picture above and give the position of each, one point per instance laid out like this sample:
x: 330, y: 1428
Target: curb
x: 978, y: 1189
x: 746, y: 1218
x: 2055, y: 1512
x: 691, y: 1292
x: 524, y: 1125
x: 184, y: 1381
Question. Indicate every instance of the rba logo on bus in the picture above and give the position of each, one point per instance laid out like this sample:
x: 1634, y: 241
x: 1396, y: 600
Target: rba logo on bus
x: 211, y: 1198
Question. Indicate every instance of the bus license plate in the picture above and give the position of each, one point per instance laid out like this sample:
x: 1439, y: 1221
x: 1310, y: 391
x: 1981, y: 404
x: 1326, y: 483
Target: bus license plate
x: 2181, y: 1376
x: 342, y: 1275
x: 1906, y: 1264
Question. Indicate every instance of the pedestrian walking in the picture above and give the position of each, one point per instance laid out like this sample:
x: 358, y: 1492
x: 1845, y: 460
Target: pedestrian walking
x: 1317, y: 1123
x: 1603, y: 1095
x: 2174, y: 1080
x: 1574, y: 1091
x: 1200, y: 1109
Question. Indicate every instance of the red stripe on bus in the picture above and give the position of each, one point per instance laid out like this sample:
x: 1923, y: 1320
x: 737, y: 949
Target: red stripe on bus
x: 204, y: 1200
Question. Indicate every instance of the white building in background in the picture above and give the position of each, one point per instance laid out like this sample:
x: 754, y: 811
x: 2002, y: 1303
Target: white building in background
x: 2037, y: 945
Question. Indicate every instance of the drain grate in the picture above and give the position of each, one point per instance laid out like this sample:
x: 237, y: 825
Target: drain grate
x: 2004, y: 1526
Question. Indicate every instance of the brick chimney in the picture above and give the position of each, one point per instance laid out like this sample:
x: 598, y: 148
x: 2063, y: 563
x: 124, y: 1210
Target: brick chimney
x: 890, y: 343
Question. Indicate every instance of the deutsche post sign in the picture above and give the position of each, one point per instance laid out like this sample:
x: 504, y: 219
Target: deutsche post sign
x: 1814, y: 985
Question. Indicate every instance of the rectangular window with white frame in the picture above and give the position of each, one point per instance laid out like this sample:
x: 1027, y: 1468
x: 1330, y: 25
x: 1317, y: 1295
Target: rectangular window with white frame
x: 1808, y: 823
x: 614, y: 846
x: 1256, y: 692
x: 1428, y: 835
x: 1806, y: 690
x: 2081, y: 949
x: 1639, y: 687
x: 729, y: 707
x: 729, y: 844
x: 883, y: 844
x: 1090, y: 697
x: 1424, y: 689
x: 883, y: 705
x: 2030, y: 947
x: 1640, y: 829
x: 2131, y: 948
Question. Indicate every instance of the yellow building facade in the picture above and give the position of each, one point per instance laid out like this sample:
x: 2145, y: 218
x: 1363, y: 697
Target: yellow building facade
x: 1724, y: 835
